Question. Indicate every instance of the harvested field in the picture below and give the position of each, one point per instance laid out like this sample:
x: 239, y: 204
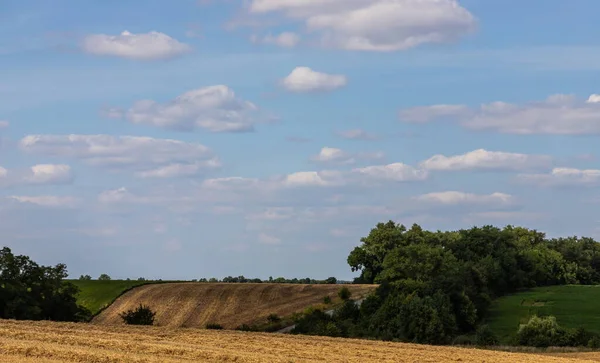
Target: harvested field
x: 47, y: 342
x: 193, y: 305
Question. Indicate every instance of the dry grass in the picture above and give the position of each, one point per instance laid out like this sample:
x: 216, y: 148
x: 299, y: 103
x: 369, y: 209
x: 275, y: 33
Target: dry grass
x: 47, y: 342
x: 196, y: 304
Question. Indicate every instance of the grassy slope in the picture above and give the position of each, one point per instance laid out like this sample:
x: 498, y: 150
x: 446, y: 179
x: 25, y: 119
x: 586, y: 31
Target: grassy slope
x: 95, y: 294
x: 573, y: 306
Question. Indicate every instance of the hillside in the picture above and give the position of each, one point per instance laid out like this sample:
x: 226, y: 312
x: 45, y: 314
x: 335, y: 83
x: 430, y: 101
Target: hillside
x: 95, y: 294
x: 228, y: 304
x: 572, y: 305
x: 48, y: 342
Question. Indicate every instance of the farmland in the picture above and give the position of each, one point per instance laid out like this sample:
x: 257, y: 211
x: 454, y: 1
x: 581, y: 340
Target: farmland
x: 95, y: 294
x: 227, y: 304
x: 48, y: 342
x: 573, y: 306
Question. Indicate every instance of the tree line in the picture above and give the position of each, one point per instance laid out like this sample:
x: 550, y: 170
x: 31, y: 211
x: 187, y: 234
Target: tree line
x: 436, y: 286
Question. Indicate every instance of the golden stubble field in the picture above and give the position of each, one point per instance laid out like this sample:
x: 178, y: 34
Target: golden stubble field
x: 194, y: 305
x: 47, y: 342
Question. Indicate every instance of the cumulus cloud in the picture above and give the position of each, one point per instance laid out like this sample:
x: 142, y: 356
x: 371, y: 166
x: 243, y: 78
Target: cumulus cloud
x: 285, y: 39
x: 213, y: 108
x: 144, y: 46
x: 397, y: 172
x: 374, y: 25
x: 146, y: 156
x: 47, y: 200
x: 461, y: 198
x: 268, y: 239
x: 304, y: 79
x: 41, y: 174
x: 338, y: 156
x: 563, y: 177
x: 482, y: 159
x: 356, y: 134
x: 314, y: 178
x: 558, y: 115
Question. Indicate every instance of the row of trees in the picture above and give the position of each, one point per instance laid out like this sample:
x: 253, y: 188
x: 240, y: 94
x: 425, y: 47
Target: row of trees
x: 238, y: 279
x: 437, y: 285
x: 29, y: 291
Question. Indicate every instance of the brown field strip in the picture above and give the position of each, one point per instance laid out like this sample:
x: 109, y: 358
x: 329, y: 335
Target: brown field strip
x: 47, y: 342
x: 196, y: 304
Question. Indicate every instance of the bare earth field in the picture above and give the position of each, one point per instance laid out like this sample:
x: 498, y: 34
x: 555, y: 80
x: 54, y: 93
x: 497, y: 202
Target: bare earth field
x: 193, y: 305
x: 47, y: 342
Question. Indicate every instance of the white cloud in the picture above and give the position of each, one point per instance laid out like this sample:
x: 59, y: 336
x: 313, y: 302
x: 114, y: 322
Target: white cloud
x: 267, y: 239
x: 564, y: 177
x: 285, y: 39
x: 47, y: 200
x: 214, y: 108
x: 558, y: 115
x: 374, y: 25
x: 4, y: 124
x: 487, y: 160
x: 41, y: 174
x: 50, y: 174
x: 338, y: 156
x: 356, y: 134
x: 146, y: 156
x: 314, y: 178
x: 392, y: 172
x: 304, y: 79
x: 460, y: 198
x: 143, y: 46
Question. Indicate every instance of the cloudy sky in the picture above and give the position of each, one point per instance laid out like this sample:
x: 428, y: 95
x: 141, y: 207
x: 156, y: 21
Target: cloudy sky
x: 187, y: 139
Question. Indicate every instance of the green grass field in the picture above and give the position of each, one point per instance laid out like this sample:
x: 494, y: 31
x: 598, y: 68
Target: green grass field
x: 573, y: 306
x: 95, y: 294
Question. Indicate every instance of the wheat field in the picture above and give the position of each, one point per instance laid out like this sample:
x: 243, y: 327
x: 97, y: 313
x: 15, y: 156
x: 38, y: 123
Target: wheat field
x: 230, y: 305
x: 48, y: 342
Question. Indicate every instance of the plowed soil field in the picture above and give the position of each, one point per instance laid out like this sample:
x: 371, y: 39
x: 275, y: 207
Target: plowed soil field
x: 230, y: 305
x: 47, y: 342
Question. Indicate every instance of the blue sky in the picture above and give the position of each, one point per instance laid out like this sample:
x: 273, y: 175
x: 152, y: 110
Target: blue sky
x: 191, y: 139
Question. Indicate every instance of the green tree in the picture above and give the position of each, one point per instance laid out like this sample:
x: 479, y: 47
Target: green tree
x: 104, y: 277
x: 29, y: 291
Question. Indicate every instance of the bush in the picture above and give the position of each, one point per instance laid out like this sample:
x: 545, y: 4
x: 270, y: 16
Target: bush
x: 484, y: 337
x: 327, y: 300
x: 246, y: 327
x: 273, y: 318
x: 344, y: 293
x: 214, y: 326
x: 142, y: 315
x: 594, y: 343
x: 463, y: 340
x: 541, y: 332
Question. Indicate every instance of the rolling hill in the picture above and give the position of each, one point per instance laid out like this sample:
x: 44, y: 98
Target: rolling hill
x: 227, y: 304
x: 49, y: 342
x: 573, y: 306
x: 96, y: 295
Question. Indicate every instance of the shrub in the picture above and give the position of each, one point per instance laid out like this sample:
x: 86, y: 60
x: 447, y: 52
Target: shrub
x: 85, y: 278
x: 142, y: 315
x: 273, y: 318
x: 463, y: 340
x: 214, y: 326
x: 344, y: 293
x: 327, y: 300
x: 246, y: 327
x: 594, y: 343
x: 541, y: 332
x: 484, y: 336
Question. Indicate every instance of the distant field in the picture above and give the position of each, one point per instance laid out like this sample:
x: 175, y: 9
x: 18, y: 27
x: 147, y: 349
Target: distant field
x: 228, y: 304
x: 572, y: 305
x: 47, y: 342
x: 96, y: 294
